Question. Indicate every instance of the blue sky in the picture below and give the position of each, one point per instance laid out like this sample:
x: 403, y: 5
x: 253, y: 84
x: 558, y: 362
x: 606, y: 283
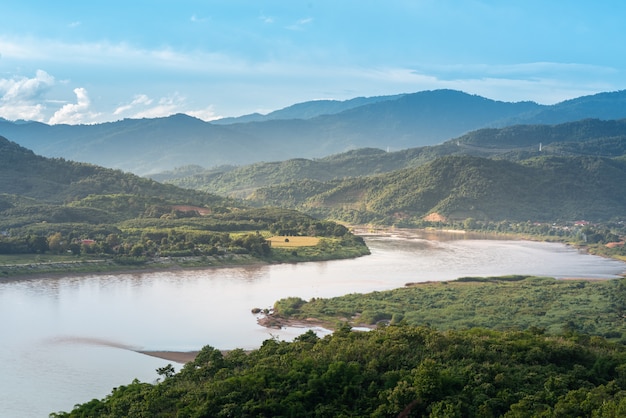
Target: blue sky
x: 97, y: 61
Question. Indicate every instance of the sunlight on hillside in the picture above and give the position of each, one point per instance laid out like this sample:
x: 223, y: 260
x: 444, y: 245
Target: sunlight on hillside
x: 283, y: 241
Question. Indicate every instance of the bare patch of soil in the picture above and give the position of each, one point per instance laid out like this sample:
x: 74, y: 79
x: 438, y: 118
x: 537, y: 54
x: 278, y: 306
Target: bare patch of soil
x: 435, y: 217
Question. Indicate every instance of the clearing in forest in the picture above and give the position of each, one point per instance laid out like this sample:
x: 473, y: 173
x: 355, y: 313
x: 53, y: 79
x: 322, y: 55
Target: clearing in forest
x: 284, y: 241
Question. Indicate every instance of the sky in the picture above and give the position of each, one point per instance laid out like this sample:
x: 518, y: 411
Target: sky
x: 84, y: 62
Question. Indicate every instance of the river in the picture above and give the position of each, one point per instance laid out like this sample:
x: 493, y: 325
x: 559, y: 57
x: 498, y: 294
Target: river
x: 66, y: 340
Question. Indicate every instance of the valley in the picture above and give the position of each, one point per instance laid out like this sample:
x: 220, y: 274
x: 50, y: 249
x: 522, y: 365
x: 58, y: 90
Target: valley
x: 556, y: 178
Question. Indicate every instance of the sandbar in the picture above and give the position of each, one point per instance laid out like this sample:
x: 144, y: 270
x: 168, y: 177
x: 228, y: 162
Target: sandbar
x: 181, y: 357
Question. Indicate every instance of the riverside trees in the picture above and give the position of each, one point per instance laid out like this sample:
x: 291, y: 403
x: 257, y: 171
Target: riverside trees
x: 221, y: 234
x: 415, y: 371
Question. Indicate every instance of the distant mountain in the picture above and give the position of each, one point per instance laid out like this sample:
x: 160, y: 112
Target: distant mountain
x: 307, y: 110
x: 457, y: 187
x: 605, y: 106
x: 148, y: 146
x: 586, y: 137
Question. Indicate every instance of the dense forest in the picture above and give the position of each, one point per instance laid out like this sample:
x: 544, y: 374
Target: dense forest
x: 392, y: 371
x: 542, y: 189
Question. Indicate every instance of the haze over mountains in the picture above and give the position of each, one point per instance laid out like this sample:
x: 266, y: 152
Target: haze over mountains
x: 307, y: 130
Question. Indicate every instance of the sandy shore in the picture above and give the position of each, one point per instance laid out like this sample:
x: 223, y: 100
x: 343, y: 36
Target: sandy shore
x: 181, y: 357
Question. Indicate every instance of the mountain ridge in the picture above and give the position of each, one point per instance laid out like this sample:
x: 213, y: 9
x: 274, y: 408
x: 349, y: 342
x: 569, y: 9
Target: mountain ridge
x: 150, y: 146
x: 545, y: 189
x: 587, y: 137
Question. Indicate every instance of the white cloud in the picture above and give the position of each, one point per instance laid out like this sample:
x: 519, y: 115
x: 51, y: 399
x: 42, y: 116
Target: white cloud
x: 300, y: 24
x: 24, y: 89
x: 22, y: 97
x: 166, y: 106
x: 138, y: 100
x: 141, y: 107
x: 208, y: 114
x: 510, y: 83
x: 117, y: 55
x: 524, y: 69
x: 75, y: 113
x: 22, y: 111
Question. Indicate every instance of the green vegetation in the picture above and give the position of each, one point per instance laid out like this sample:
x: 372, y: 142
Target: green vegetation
x: 589, y: 137
x: 508, y: 346
x: 394, y: 371
x: 544, y: 189
x: 108, y: 220
x: 228, y: 235
x: 499, y: 303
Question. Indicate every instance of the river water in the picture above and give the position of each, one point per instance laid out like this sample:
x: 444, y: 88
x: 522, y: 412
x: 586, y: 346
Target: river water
x: 67, y: 340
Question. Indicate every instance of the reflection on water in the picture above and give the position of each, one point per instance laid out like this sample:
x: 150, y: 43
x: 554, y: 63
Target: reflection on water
x: 68, y: 340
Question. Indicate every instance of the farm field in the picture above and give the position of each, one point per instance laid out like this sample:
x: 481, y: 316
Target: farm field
x: 288, y: 242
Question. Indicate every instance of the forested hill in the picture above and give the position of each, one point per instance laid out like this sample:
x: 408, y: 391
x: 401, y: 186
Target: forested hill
x: 458, y: 187
x: 147, y: 146
x: 62, y: 216
x: 58, y: 181
x: 586, y: 137
x: 393, y: 371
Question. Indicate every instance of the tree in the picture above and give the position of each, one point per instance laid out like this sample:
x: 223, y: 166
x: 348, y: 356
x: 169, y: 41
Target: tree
x: 56, y: 243
x: 74, y: 247
x: 470, y: 223
x: 38, y: 244
x: 166, y: 371
x: 137, y: 250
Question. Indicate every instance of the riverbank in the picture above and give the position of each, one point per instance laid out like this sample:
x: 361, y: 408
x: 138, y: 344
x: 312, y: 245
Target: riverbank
x: 181, y: 357
x: 101, y: 267
x: 65, y: 268
x: 586, y: 305
x: 52, y: 268
x: 601, y: 250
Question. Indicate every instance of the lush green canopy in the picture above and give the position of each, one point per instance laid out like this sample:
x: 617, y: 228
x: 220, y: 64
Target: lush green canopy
x: 388, y: 372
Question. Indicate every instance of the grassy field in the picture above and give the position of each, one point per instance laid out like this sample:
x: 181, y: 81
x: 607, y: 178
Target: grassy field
x: 280, y: 241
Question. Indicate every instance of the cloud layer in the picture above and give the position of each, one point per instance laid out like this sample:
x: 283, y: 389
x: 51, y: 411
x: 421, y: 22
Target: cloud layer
x: 232, y: 58
x: 24, y: 98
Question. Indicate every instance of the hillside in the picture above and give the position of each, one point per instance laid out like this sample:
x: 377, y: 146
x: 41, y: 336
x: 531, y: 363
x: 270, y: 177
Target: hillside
x: 586, y: 137
x: 58, y: 215
x: 458, y: 187
x: 396, y: 122
x: 58, y: 181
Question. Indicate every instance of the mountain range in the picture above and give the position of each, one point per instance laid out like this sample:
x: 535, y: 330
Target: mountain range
x: 490, y: 174
x: 307, y: 130
x: 591, y: 137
